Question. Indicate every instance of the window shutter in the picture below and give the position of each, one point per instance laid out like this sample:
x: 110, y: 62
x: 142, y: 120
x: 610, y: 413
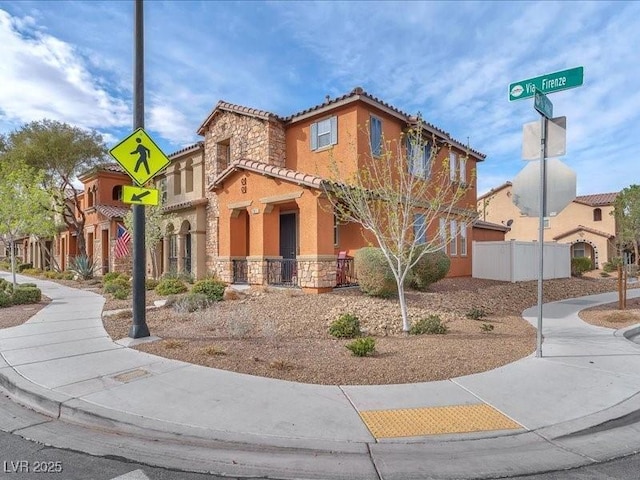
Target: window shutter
x: 314, y: 136
x: 334, y: 130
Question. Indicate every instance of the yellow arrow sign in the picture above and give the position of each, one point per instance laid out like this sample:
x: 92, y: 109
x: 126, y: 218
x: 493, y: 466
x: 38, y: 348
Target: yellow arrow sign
x: 140, y: 196
x: 139, y: 156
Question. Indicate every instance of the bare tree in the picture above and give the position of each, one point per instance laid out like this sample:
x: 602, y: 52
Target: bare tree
x: 403, y: 192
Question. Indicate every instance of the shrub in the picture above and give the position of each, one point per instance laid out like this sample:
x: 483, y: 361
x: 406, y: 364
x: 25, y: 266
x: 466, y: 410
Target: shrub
x: 191, y: 302
x: 486, y: 328
x: 171, y: 286
x: 6, y: 286
x: 52, y: 274
x: 187, y: 277
x: 212, y: 288
x: 579, y: 265
x: 374, y: 273
x: 476, y: 313
x: 612, y: 265
x: 22, y: 295
x: 5, y: 266
x: 119, y: 287
x: 24, y: 266
x: 430, y: 325
x: 361, y: 347
x: 346, y: 325
x: 150, y: 283
x: 5, y: 299
x: 82, y: 266
x: 431, y: 267
x: 120, y: 293
x: 212, y: 350
x: 67, y: 275
x: 111, y: 276
x: 32, y: 285
x: 32, y: 271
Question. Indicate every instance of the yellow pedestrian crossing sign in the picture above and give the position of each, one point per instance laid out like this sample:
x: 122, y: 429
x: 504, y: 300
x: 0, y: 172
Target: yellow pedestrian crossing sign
x: 140, y: 157
x: 140, y: 196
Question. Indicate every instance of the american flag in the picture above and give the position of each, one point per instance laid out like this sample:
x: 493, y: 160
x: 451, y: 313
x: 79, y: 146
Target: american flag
x: 122, y: 242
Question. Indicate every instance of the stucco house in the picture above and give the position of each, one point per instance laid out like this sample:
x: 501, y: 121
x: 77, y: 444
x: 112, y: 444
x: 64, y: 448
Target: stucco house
x: 586, y: 223
x: 268, y: 219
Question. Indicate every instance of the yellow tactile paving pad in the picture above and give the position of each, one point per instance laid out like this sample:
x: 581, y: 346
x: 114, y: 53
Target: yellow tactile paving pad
x: 415, y: 422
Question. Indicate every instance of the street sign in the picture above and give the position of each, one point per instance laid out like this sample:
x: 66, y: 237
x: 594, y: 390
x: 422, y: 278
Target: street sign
x: 542, y: 104
x: 560, y: 188
x: 140, y: 157
x: 556, y: 139
x: 140, y: 196
x: 551, y: 82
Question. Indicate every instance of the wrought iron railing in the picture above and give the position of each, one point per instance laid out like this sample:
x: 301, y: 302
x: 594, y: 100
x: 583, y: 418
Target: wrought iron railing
x: 240, y: 271
x: 282, y: 272
x: 187, y: 264
x: 345, y: 273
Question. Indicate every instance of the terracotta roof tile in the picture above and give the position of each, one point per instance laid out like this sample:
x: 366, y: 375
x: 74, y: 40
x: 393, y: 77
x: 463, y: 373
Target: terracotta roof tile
x: 272, y: 170
x: 195, y: 146
x: 597, y: 199
x: 490, y: 226
x: 585, y: 229
x: 231, y: 107
x: 112, y: 211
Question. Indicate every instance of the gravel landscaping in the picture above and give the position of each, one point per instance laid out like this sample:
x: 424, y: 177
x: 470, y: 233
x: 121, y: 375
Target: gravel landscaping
x: 282, y: 333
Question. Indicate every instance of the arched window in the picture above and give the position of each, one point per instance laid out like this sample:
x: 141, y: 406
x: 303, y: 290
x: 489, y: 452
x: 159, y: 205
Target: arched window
x: 597, y: 215
x: 177, y: 186
x: 188, y: 176
x: 116, y: 193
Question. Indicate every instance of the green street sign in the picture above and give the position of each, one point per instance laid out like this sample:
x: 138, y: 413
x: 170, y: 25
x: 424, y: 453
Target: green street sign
x: 551, y: 82
x: 542, y: 104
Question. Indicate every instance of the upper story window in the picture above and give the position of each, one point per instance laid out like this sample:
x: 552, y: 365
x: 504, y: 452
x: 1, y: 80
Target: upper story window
x: 188, y: 176
x: 597, y: 215
x: 324, y: 133
x: 223, y: 154
x: 419, y: 158
x: 420, y: 228
x: 177, y: 181
x: 463, y: 170
x: 453, y: 163
x: 453, y: 248
x: 375, y: 133
x: 463, y: 239
x: 116, y: 193
x: 546, y: 222
x: 162, y: 186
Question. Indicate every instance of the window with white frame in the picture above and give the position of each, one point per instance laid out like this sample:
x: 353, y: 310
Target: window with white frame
x: 419, y: 158
x: 547, y: 222
x: 420, y: 228
x: 463, y: 170
x: 453, y: 162
x: 324, y: 133
x: 442, y: 232
x: 463, y: 239
x: 453, y: 246
x: 375, y: 134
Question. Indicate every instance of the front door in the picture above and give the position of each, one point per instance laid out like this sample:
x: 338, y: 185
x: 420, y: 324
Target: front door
x: 288, y: 240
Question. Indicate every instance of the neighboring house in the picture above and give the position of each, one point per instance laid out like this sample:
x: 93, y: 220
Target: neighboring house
x: 268, y: 220
x: 182, y: 192
x: 586, y: 223
x: 484, y: 231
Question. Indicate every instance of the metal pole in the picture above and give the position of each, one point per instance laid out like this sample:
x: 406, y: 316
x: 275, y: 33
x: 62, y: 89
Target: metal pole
x: 543, y: 192
x: 139, y: 328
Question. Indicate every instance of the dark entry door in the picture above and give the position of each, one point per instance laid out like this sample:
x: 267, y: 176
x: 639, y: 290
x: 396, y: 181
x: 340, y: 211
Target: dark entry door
x: 288, y: 246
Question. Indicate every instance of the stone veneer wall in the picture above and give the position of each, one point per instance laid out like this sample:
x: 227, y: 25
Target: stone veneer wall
x: 250, y: 138
x: 317, y: 271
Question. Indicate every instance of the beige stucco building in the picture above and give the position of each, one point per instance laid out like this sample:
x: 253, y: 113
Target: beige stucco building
x: 586, y: 223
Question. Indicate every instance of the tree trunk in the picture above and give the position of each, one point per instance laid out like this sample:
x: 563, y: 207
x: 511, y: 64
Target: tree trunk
x: 12, y: 242
x: 403, y: 306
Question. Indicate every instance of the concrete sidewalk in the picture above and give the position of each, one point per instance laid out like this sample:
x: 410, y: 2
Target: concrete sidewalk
x: 520, y: 418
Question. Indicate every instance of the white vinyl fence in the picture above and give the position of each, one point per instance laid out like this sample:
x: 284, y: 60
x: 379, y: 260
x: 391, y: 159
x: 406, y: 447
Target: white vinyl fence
x: 515, y: 261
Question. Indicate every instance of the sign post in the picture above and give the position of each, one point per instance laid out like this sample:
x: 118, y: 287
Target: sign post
x: 537, y: 87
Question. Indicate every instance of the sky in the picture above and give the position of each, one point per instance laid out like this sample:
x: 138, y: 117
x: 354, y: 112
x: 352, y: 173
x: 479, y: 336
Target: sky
x: 451, y: 61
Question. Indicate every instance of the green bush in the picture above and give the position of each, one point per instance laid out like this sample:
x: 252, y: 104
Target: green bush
x: 361, y: 347
x: 612, y: 265
x: 5, y: 299
x: 24, y: 266
x: 374, y: 273
x: 110, y: 276
x: 5, y: 266
x: 476, y: 313
x: 117, y: 285
x: 580, y: 265
x: 346, y: 325
x: 191, y: 303
x: 22, y: 295
x: 53, y: 275
x: 121, y: 293
x: 6, y: 286
x: 212, y: 288
x: 67, y: 275
x: 150, y: 283
x: 32, y: 271
x: 430, y: 325
x: 431, y: 267
x: 31, y: 285
x: 171, y: 286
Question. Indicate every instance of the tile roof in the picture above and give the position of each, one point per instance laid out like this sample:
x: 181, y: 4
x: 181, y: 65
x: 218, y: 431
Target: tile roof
x: 597, y: 199
x: 490, y: 226
x: 494, y: 190
x: 112, y: 211
x: 584, y: 229
x: 195, y: 146
x: 105, y: 167
x: 223, y: 106
x: 271, y: 170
